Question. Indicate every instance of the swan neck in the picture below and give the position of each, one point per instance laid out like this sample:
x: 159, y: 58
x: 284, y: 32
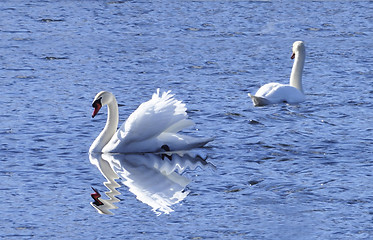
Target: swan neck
x: 297, y: 71
x: 109, y: 129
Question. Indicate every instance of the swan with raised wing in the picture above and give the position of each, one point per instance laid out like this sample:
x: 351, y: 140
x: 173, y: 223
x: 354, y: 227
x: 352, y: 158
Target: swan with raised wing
x: 152, y: 127
x: 272, y: 93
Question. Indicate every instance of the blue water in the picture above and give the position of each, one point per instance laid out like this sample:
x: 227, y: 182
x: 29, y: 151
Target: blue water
x: 282, y: 172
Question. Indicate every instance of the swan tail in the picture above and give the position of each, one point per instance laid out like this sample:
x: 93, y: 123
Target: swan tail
x: 180, y: 125
x: 178, y: 142
x: 195, y: 142
x: 203, y: 141
x: 258, y: 101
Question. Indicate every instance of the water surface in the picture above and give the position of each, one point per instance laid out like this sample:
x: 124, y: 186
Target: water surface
x: 282, y: 172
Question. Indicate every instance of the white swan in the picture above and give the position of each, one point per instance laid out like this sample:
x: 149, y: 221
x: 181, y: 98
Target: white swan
x: 271, y: 93
x: 152, y: 127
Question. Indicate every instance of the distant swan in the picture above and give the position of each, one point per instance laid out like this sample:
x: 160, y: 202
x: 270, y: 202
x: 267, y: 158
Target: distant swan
x: 152, y: 127
x: 271, y: 93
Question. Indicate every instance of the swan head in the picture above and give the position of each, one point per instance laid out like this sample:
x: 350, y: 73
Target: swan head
x: 298, y: 47
x: 101, y: 99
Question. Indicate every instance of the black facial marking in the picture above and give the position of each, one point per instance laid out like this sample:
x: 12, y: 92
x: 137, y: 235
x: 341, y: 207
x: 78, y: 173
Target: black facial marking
x: 98, y: 101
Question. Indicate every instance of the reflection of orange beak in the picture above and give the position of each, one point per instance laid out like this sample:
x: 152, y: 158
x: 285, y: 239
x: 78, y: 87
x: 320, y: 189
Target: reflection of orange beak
x: 292, y: 56
x: 97, y: 107
x: 95, y: 197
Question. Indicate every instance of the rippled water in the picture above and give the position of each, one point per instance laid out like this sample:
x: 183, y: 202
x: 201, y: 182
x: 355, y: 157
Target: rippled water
x: 282, y: 172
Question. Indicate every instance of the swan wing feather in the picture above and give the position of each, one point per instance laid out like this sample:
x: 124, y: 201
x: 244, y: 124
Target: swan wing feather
x: 161, y: 113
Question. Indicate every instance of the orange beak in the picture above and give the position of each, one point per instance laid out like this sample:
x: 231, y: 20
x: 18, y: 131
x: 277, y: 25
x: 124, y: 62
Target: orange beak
x: 97, y: 105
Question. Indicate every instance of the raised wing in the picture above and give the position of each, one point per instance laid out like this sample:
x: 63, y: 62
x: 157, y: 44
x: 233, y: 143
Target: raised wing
x: 162, y: 113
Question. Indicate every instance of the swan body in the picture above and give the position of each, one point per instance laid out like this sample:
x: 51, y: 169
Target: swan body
x: 272, y: 93
x: 152, y: 127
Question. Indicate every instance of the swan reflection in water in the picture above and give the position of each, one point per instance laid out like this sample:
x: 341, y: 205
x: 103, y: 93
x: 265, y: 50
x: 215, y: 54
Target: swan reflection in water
x: 155, y: 179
